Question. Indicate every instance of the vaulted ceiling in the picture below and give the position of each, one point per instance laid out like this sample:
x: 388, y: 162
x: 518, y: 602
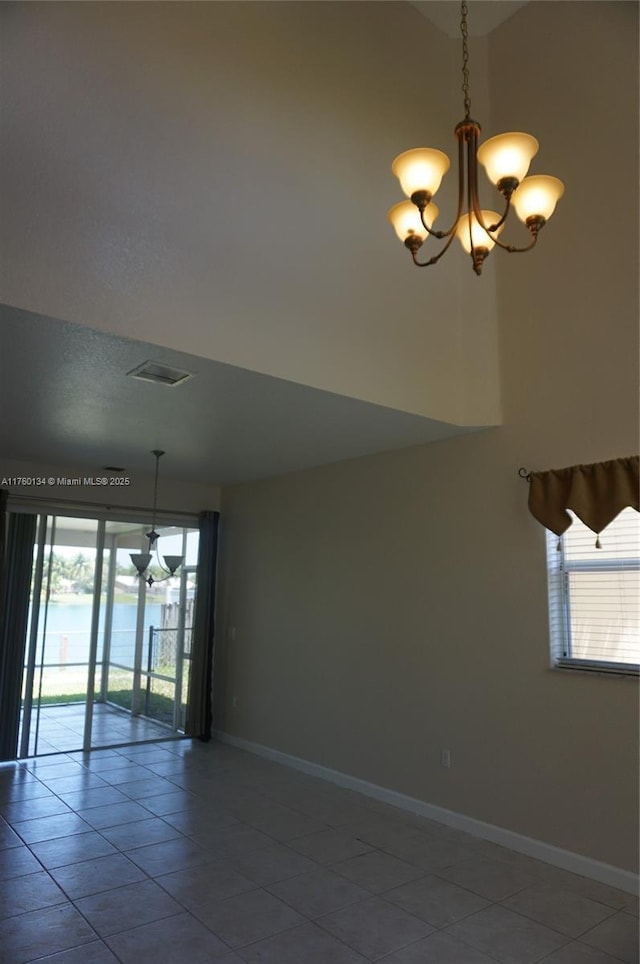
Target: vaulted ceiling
x: 484, y: 15
x: 208, y: 183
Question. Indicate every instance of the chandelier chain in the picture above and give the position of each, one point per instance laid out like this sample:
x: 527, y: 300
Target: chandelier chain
x: 465, y: 60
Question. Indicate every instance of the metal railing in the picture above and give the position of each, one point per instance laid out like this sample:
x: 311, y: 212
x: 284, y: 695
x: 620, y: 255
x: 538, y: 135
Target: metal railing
x: 165, y: 663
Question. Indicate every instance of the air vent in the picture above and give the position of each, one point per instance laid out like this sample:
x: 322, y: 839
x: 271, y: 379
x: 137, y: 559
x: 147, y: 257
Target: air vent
x: 151, y: 371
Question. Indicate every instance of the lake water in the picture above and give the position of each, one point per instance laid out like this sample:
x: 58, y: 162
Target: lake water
x: 69, y: 627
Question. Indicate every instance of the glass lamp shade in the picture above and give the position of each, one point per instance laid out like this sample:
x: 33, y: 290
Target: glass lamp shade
x: 140, y: 560
x: 537, y: 196
x: 405, y: 218
x: 173, y: 562
x: 479, y: 236
x: 421, y: 169
x: 507, y: 155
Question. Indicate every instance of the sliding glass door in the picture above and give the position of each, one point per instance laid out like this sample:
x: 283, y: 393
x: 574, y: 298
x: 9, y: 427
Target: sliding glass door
x: 147, y: 646
x: 64, y: 602
x: 107, y: 655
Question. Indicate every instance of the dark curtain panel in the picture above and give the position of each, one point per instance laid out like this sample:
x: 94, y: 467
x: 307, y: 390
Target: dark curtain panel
x: 199, y: 710
x: 4, y: 495
x: 16, y: 583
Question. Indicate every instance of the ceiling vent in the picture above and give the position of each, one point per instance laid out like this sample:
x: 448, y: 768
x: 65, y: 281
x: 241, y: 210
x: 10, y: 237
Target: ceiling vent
x: 151, y: 371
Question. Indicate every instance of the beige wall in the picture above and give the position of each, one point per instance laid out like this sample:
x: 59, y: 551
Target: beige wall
x: 391, y: 606
x: 215, y: 177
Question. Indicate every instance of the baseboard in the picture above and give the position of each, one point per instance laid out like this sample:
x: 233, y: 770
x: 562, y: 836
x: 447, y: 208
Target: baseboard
x: 566, y: 859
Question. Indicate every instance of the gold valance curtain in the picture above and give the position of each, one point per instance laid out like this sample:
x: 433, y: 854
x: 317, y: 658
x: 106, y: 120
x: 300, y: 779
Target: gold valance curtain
x: 596, y: 493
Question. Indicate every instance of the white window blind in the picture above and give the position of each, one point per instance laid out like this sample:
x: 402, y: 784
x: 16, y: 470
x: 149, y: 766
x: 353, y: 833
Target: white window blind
x: 594, y: 598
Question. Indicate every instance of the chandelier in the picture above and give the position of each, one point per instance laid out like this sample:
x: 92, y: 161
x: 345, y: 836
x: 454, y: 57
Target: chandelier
x: 506, y: 159
x: 142, y: 560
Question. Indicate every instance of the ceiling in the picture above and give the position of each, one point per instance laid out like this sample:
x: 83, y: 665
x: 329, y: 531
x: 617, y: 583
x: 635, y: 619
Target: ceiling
x: 70, y: 399
x: 484, y: 15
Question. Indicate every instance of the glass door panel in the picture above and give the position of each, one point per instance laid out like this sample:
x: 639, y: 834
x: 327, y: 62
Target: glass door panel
x: 107, y: 655
x: 145, y: 651
x: 127, y: 601
x: 59, y: 636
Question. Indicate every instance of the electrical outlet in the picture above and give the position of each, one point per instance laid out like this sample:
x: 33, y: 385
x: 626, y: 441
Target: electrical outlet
x: 232, y: 632
x: 445, y: 759
x: 234, y: 702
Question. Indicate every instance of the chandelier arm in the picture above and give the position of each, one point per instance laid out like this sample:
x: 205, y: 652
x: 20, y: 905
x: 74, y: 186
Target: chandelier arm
x: 430, y: 231
x: 436, y: 257
x: 150, y: 581
x: 512, y: 249
x: 474, y: 200
x: 450, y: 231
x: 474, y: 204
x: 160, y: 566
x: 509, y: 248
x: 478, y: 252
x: 169, y: 574
x: 453, y: 227
x: 498, y: 224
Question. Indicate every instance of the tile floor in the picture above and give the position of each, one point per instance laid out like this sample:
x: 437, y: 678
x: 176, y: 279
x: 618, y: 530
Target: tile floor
x: 191, y: 853
x: 61, y: 728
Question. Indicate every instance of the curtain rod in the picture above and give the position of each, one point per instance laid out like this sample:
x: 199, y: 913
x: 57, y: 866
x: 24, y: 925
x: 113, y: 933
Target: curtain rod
x: 103, y: 506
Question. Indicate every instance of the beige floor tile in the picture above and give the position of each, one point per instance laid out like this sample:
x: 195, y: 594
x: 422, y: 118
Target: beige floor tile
x: 561, y: 910
x: 248, y: 917
x: 307, y: 943
x: 114, y: 911
x: 493, y: 879
x: 374, y: 927
x: 618, y: 936
x: 509, y: 937
x: 317, y: 893
x: 187, y: 857
x: 436, y: 901
x: 176, y: 940
x: 377, y: 872
x: 438, y: 948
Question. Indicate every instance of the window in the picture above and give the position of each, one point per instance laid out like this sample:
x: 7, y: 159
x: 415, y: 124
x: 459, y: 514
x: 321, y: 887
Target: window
x: 594, y: 603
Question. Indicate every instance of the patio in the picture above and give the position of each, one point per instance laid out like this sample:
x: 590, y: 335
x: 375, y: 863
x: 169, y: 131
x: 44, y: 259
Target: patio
x: 61, y: 728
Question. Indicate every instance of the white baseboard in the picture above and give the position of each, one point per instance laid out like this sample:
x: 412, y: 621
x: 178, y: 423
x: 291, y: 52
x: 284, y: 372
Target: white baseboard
x: 566, y: 859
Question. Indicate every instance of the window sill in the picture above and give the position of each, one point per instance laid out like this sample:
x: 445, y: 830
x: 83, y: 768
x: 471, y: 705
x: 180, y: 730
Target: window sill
x: 601, y: 669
